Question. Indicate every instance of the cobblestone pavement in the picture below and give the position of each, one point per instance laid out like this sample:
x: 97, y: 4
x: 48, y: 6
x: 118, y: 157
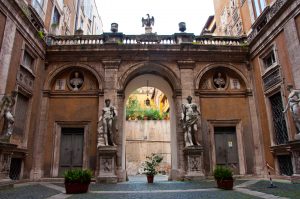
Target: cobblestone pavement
x: 161, y: 189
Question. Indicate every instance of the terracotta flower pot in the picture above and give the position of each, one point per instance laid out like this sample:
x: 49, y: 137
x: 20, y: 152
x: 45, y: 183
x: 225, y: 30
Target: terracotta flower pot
x: 225, y: 184
x: 76, y: 187
x: 150, y: 178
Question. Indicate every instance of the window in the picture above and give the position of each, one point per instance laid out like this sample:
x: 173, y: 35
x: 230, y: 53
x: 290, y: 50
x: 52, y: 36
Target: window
x: 28, y: 61
x: 21, y: 115
x: 259, y: 6
x: 56, y: 17
x: 81, y: 24
x: 279, y: 124
x: 38, y: 5
x: 269, y: 60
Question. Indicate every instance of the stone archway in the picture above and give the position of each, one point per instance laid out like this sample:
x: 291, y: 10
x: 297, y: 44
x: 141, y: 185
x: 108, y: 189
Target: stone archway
x: 160, y: 83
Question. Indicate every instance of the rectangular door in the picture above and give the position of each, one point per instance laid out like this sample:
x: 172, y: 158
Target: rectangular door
x: 226, y: 147
x: 71, y: 149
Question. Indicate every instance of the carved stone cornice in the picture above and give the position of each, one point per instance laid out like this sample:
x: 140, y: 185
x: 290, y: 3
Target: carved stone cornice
x: 111, y: 64
x: 186, y: 64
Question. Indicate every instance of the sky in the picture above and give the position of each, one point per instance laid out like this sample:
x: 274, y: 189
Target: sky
x: 167, y: 14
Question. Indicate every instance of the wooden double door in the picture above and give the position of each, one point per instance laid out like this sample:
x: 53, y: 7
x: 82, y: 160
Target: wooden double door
x: 71, y: 149
x: 226, y: 147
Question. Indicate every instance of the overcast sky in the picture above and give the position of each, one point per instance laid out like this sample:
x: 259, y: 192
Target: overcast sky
x: 167, y: 14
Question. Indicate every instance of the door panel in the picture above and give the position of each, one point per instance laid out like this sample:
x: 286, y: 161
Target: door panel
x: 226, y: 148
x: 77, y: 150
x: 71, y: 149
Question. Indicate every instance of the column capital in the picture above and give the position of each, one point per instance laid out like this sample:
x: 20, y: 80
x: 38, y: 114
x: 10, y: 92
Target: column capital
x: 111, y: 64
x: 186, y: 64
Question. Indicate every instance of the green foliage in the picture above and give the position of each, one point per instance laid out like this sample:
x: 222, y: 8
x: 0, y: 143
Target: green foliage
x: 41, y: 34
x: 223, y: 173
x: 78, y: 175
x: 135, y: 111
x: 151, y: 163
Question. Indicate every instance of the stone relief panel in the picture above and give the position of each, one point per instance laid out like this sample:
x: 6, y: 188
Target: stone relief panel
x: 194, y: 163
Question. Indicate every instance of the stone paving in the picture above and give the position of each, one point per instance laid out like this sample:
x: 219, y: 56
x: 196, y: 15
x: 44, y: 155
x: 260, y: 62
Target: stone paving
x: 162, y: 189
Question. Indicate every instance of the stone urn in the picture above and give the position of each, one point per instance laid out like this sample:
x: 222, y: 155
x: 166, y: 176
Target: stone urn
x: 182, y: 26
x: 114, y: 27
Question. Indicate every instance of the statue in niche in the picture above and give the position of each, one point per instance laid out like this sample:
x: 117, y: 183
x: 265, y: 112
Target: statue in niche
x: 107, y: 125
x: 76, y: 82
x: 294, y: 105
x: 6, y: 106
x: 219, y: 81
x: 190, y: 117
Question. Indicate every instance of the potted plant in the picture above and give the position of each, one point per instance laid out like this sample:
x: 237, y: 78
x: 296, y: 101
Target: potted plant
x: 77, y: 180
x: 223, y: 176
x: 150, y: 166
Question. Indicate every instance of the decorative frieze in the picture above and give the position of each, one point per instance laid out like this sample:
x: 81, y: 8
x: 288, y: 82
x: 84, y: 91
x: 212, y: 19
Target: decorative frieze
x: 271, y: 78
x: 25, y: 78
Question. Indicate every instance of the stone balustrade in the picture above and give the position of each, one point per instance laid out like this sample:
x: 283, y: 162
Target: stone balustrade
x: 147, y: 39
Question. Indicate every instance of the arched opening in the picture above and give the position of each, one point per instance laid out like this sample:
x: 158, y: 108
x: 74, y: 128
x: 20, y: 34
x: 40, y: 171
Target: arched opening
x: 157, y: 82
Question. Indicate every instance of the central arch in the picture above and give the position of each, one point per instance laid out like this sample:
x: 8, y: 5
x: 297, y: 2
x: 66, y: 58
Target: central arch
x: 163, y: 85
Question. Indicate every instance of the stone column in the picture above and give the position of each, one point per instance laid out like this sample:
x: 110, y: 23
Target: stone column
x: 191, y: 156
x: 257, y: 139
x: 6, y: 52
x: 111, y: 68
x: 293, y: 46
x: 38, y: 148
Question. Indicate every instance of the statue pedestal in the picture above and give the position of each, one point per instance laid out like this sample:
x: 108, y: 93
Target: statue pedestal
x: 194, y: 166
x: 295, y: 149
x: 6, y: 151
x: 107, y: 164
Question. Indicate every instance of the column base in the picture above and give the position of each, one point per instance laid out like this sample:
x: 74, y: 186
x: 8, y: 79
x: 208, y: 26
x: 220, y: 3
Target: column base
x: 194, y: 157
x: 6, y: 183
x: 107, y: 164
x: 295, y: 179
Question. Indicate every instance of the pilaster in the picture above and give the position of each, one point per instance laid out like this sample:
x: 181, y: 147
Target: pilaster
x: 6, y: 53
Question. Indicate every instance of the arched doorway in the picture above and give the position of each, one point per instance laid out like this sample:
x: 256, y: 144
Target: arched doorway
x: 161, y: 84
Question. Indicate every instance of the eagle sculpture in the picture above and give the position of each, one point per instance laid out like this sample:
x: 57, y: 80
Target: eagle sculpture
x: 148, y: 21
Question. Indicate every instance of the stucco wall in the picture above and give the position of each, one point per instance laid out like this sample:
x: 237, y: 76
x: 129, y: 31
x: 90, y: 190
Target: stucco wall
x: 144, y: 138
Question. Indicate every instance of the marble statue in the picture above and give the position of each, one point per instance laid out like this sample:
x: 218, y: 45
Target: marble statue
x: 148, y: 21
x: 6, y: 106
x: 107, y: 125
x: 219, y: 81
x: 76, y: 82
x: 294, y: 105
x: 190, y: 117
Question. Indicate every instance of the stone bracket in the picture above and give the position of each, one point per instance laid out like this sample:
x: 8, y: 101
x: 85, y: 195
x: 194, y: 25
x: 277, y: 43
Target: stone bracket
x: 111, y: 64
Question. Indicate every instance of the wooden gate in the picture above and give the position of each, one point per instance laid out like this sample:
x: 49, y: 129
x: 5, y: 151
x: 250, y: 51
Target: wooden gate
x: 226, y: 147
x: 71, y: 149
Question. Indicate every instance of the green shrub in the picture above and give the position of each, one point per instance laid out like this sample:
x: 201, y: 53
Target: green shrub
x: 151, y: 163
x: 223, y: 173
x: 78, y: 175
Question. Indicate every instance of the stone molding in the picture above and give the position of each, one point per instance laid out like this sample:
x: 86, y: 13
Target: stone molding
x: 186, y: 64
x: 111, y: 64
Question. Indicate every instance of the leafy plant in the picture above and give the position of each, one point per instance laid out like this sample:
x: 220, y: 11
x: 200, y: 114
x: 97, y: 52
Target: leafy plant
x: 223, y: 173
x: 151, y: 164
x: 78, y: 175
x: 41, y: 34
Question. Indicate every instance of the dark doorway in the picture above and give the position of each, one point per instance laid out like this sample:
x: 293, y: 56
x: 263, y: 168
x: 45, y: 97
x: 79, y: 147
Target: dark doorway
x: 71, y: 149
x: 226, y: 148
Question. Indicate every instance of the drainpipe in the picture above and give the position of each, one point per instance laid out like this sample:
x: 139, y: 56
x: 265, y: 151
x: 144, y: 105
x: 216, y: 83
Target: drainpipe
x: 77, y: 15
